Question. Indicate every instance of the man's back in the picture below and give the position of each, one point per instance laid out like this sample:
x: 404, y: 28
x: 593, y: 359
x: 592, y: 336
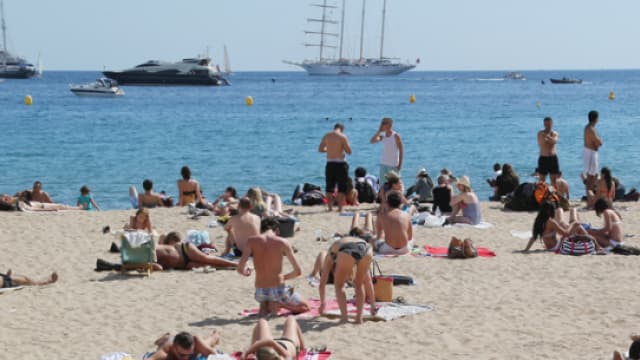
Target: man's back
x: 336, y: 145
x: 268, y: 251
x: 243, y: 226
x: 396, y: 225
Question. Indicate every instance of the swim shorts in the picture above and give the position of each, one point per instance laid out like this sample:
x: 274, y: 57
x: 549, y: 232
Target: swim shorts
x: 548, y: 165
x: 590, y: 159
x: 276, y: 294
x: 337, y: 175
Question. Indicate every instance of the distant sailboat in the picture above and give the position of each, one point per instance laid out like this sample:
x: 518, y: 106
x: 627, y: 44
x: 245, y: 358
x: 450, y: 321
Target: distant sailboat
x: 227, y: 63
x: 11, y: 66
x: 341, y: 66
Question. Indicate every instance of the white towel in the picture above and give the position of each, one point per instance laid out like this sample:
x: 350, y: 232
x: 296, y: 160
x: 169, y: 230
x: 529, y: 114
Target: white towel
x: 482, y: 225
x: 138, y: 238
x: 524, y: 235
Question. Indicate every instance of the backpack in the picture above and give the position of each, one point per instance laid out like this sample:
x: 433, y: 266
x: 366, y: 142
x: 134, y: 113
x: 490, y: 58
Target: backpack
x: 312, y: 198
x: 541, y: 192
x: 365, y: 192
x: 522, y: 198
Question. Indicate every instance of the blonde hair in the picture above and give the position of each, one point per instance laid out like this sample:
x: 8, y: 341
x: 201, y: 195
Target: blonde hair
x: 267, y: 353
x: 255, y: 196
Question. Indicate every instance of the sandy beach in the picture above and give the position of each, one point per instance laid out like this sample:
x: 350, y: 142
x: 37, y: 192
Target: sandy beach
x: 512, y: 306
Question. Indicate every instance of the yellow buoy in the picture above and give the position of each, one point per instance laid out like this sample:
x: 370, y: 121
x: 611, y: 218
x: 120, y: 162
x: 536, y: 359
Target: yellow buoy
x: 28, y: 100
x: 612, y: 95
x: 248, y: 100
x: 412, y: 98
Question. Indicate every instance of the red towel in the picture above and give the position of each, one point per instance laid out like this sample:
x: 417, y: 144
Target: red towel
x: 442, y: 251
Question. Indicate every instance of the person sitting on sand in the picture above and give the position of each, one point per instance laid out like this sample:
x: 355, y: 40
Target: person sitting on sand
x: 394, y: 183
x: 38, y: 195
x: 258, y: 206
x: 265, y: 346
x: 562, y: 186
x: 605, y: 189
x: 149, y: 199
x: 442, y: 195
x: 13, y: 203
x: 140, y: 221
x: 551, y: 228
x: 467, y: 203
x: 343, y: 256
x: 227, y: 203
x: 188, y: 188
x: 611, y: 234
x: 423, y: 188
x: 394, y: 226
x: 505, y: 183
x: 240, y: 228
x: 185, y: 346
x: 172, y: 253
x: 85, y: 200
x: 9, y: 280
x: 634, y: 350
x: 268, y: 250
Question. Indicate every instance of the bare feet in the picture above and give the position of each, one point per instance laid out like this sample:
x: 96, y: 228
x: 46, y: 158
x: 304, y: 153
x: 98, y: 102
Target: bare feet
x: 359, y: 320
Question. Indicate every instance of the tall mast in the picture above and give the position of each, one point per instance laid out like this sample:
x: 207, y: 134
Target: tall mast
x: 384, y: 12
x: 364, y: 2
x: 4, y: 27
x: 341, y: 30
x: 323, y: 21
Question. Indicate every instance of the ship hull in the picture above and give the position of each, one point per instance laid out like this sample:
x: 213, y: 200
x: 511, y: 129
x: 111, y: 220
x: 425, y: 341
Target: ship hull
x: 165, y: 78
x: 356, y: 70
x: 17, y: 73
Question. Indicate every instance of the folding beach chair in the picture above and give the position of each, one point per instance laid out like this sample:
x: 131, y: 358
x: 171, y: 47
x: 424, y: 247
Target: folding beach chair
x: 137, y: 251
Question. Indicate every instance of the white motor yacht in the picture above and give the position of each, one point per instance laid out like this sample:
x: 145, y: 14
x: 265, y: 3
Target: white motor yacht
x: 100, y: 87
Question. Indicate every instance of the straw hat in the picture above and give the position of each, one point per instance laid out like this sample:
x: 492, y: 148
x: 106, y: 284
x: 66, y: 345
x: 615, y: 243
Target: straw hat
x: 422, y: 172
x: 464, y: 181
x: 391, y: 175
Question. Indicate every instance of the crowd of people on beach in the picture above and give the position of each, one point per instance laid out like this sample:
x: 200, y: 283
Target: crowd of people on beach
x: 253, y: 225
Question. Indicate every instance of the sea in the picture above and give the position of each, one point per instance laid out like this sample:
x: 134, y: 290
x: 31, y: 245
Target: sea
x: 463, y: 121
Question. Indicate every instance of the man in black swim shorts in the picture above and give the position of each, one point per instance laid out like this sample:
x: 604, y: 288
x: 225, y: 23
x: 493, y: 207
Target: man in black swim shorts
x: 548, y: 160
x: 337, y: 146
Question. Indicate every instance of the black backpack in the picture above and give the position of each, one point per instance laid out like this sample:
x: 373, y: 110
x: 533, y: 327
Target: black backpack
x: 522, y: 198
x: 365, y: 192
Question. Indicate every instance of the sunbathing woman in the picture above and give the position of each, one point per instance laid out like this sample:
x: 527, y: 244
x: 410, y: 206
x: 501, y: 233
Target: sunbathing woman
x: 12, y: 203
x: 611, y: 235
x: 140, y: 221
x: 174, y: 254
x: 343, y: 255
x: 605, y: 189
x: 188, y: 188
x: 10, y: 280
x: 551, y: 228
x: 264, y: 346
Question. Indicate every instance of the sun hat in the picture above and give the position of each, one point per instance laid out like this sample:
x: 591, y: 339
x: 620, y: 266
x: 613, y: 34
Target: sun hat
x: 422, y: 172
x: 391, y: 175
x: 464, y: 181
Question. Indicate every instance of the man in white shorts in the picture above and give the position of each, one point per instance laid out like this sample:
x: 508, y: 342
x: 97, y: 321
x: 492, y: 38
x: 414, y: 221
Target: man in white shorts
x: 592, y: 143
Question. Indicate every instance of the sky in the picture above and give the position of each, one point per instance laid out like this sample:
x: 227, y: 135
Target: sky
x: 260, y: 34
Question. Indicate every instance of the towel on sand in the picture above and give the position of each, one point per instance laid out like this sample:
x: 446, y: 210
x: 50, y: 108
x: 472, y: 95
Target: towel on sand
x: 387, y: 311
x: 442, y: 251
x: 6, y: 290
x: 482, y: 225
x: 524, y: 235
x: 314, y: 304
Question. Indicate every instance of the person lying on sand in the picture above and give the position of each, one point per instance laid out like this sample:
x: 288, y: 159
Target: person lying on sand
x: 175, y: 254
x: 264, y: 346
x: 10, y: 280
x: 185, y: 346
x: 13, y: 203
x: 343, y: 256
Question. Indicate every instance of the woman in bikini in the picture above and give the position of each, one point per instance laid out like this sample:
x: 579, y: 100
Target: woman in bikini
x: 264, y: 346
x: 140, y: 221
x: 551, y: 228
x: 172, y: 253
x: 611, y: 234
x: 14, y: 203
x: 343, y: 256
x: 188, y: 188
x: 605, y: 189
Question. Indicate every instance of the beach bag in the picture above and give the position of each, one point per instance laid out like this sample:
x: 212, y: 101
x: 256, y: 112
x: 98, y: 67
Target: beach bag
x: 522, y: 198
x: 312, y: 198
x: 578, y: 245
x: 402, y: 280
x: 541, y: 192
x: 365, y: 192
x: 382, y: 285
x: 286, y: 226
x: 310, y: 187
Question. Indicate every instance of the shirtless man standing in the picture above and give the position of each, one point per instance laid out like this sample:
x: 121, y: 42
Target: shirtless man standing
x: 240, y: 228
x: 395, y: 225
x: 174, y: 254
x: 592, y: 143
x: 267, y: 251
x: 548, y: 160
x: 38, y: 195
x: 336, y: 145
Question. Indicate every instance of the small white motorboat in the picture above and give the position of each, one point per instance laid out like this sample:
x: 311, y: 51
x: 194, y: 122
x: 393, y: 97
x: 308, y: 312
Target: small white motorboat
x: 100, y: 87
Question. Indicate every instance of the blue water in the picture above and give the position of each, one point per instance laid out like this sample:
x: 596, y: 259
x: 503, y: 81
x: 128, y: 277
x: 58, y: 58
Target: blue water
x: 465, y: 121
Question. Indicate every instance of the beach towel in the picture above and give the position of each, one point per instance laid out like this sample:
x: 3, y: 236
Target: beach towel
x: 350, y: 213
x: 387, y: 311
x: 524, y: 235
x: 314, y: 305
x: 304, y: 355
x: 116, y: 356
x: 442, y: 251
x: 482, y: 225
x: 6, y: 290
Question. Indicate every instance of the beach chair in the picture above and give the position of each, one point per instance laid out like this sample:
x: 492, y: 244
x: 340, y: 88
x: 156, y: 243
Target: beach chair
x: 137, y: 251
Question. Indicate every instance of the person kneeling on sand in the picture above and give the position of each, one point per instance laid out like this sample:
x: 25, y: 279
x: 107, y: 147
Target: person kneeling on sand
x: 343, y: 256
x: 264, y: 346
x: 395, y: 225
x: 174, y: 254
x: 185, y: 346
x: 267, y: 250
x: 10, y: 280
x: 240, y: 228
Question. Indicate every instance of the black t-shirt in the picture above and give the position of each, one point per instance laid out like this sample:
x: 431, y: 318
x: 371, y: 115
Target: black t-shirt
x: 442, y: 199
x: 506, y: 184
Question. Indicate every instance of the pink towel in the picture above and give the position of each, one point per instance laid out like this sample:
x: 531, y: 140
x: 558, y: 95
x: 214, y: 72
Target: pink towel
x: 304, y: 355
x: 442, y: 251
x: 314, y: 304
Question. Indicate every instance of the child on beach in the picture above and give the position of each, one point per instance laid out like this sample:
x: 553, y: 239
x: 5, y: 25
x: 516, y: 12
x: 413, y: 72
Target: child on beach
x: 85, y: 200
